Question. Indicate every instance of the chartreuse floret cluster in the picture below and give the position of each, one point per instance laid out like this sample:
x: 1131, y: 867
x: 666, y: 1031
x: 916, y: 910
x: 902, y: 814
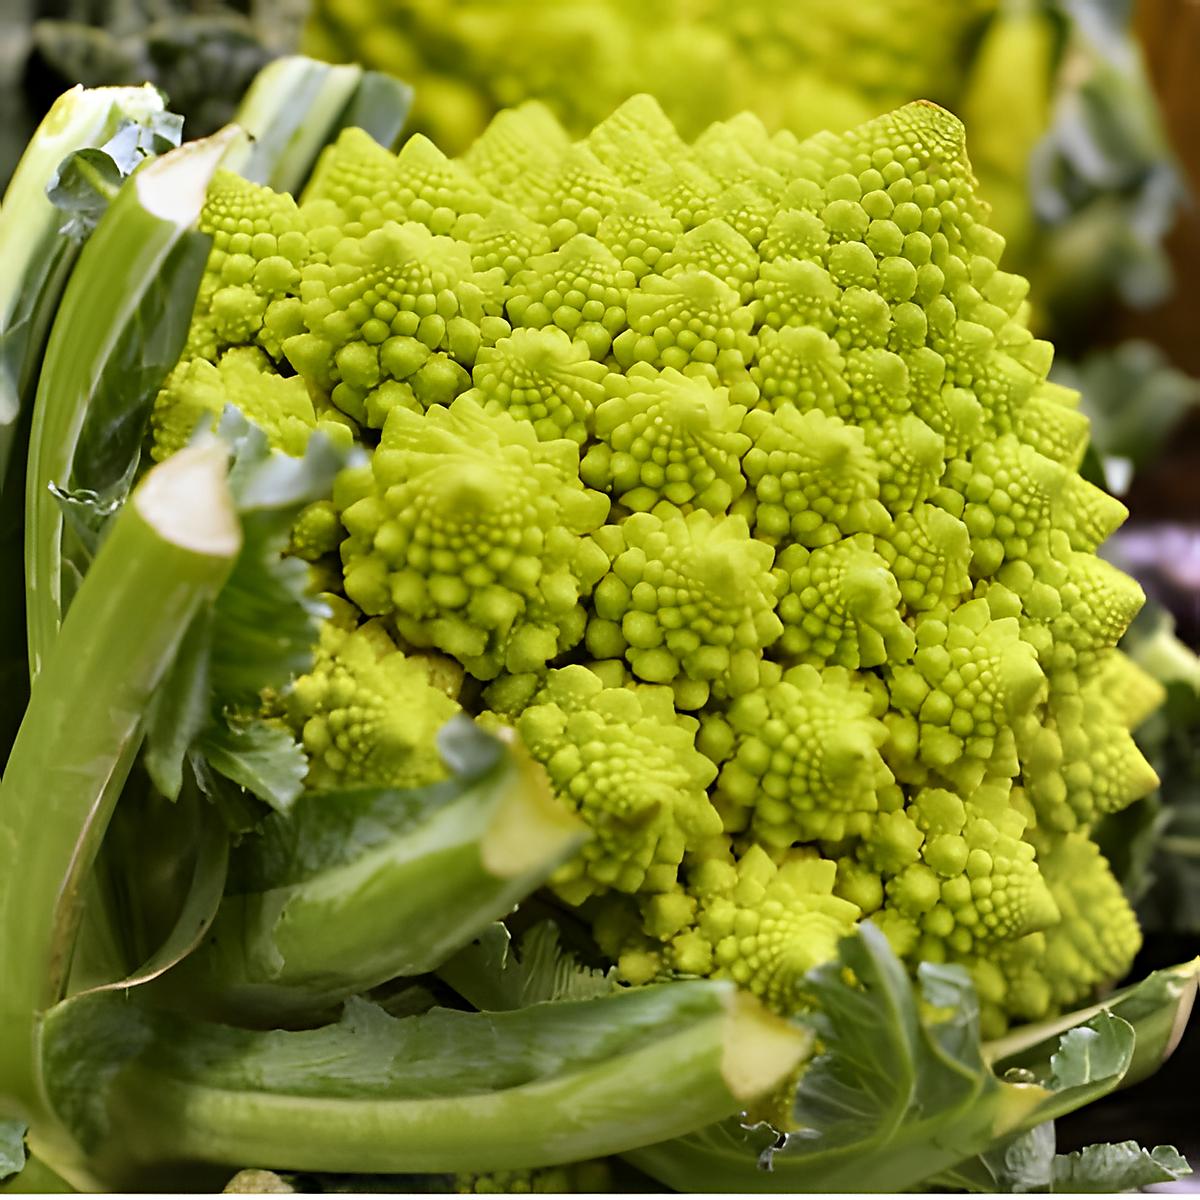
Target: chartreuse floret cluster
x: 729, y: 475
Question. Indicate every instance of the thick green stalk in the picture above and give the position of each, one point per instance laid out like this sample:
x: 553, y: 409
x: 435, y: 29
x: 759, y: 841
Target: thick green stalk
x: 36, y: 255
x: 167, y: 554
x: 119, y: 330
x: 442, y: 1091
x: 297, y: 105
x: 404, y: 879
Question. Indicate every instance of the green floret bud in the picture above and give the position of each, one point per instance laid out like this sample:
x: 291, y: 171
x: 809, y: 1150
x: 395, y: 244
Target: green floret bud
x: 1053, y: 424
x: 1091, y: 946
x: 1012, y: 497
x: 795, y: 233
x: 639, y: 231
x: 813, y: 479
x: 581, y: 288
x: 684, y: 189
x: 667, y: 437
x: 469, y: 534
x: 317, y: 531
x: 258, y: 249
x: 768, y: 926
x: 719, y: 249
x: 627, y: 764
x: 974, y: 882
x: 802, y: 367
x: 635, y: 138
x: 507, y: 239
x: 437, y: 191
x: 1076, y: 607
x: 358, y: 178
x: 840, y: 604
x: 927, y: 551
x: 197, y: 392
x: 515, y: 140
x: 910, y: 460
x: 541, y: 376
x: 594, y: 1175
x: 747, y: 208
x: 735, y: 152
x: 762, y: 923
x: 573, y: 194
x: 376, y: 296
x: 1081, y: 762
x: 689, y: 601
x: 796, y: 292
x: 367, y: 714
x: 803, y: 761
x: 981, y: 682
x: 691, y: 320
x: 1132, y: 691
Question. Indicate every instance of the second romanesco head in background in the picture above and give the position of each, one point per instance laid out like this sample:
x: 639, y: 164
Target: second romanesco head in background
x: 1063, y: 127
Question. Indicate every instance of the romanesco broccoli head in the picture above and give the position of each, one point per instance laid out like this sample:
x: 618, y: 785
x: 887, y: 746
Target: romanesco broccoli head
x: 729, y: 475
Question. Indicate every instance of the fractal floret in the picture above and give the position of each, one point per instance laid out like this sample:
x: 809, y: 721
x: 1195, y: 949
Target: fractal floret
x: 729, y: 476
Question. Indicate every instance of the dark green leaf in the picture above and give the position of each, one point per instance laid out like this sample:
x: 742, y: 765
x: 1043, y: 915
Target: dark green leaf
x: 260, y: 756
x: 492, y: 974
x: 88, y: 179
x: 12, y: 1148
x: 84, y: 186
x: 266, y: 618
x: 1122, y: 1167
x: 165, y: 864
x: 180, y: 709
x: 327, y: 830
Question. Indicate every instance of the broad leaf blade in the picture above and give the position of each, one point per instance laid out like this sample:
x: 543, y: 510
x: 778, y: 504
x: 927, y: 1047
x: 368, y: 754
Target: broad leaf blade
x: 1123, y: 1167
x: 259, y: 756
x: 495, y: 975
x: 12, y: 1148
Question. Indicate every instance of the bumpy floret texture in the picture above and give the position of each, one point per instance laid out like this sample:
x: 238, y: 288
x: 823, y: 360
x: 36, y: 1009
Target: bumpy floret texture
x: 366, y: 713
x: 730, y: 476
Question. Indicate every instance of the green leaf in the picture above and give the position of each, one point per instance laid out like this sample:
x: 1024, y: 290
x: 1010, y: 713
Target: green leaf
x: 12, y: 1148
x: 266, y: 620
x: 896, y: 1086
x: 1023, y: 1163
x: 179, y: 709
x: 1020, y: 1164
x: 261, y: 634
x: 901, y: 1093
x: 494, y: 975
x: 1156, y: 1009
x: 87, y: 181
x: 167, y: 864
x: 1122, y: 1167
x: 261, y: 757
x: 1090, y: 1061
x: 350, y: 889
